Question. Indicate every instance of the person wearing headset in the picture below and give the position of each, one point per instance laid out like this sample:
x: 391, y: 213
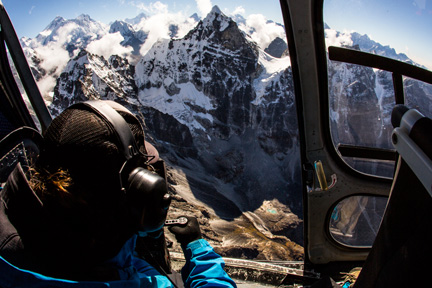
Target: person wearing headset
x: 72, y: 219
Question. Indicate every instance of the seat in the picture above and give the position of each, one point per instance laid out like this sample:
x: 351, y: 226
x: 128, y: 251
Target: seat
x: 21, y: 145
x: 401, y: 253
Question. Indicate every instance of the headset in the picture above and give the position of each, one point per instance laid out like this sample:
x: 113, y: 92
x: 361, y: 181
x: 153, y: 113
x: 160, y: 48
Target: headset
x: 146, y: 191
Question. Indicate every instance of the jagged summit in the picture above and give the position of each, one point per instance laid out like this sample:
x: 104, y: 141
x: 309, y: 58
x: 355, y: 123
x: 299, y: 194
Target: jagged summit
x: 216, y: 10
x: 131, y: 37
x: 84, y: 17
x: 217, y: 28
x: 56, y: 22
x: 195, y: 17
x: 216, y: 16
x: 122, y: 27
x: 80, y: 30
x: 57, y: 19
x: 110, y: 78
x: 368, y: 45
x: 136, y: 20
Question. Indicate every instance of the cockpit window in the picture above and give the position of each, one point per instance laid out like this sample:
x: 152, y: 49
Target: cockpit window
x: 362, y: 94
x: 214, y: 83
x: 418, y: 95
x: 394, y: 29
x: 355, y: 220
x: 362, y: 97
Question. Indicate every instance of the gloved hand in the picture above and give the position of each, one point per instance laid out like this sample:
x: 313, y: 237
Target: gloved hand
x: 186, y: 233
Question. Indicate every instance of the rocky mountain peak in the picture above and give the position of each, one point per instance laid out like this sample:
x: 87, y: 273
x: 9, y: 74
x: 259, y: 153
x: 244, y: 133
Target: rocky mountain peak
x: 216, y: 18
x: 368, y: 45
x: 215, y: 10
x: 84, y: 18
x: 213, y: 55
x: 56, y: 22
x: 221, y: 30
x: 90, y: 76
x: 195, y: 17
x: 80, y: 31
x: 136, y: 20
x: 122, y: 27
x: 277, y: 48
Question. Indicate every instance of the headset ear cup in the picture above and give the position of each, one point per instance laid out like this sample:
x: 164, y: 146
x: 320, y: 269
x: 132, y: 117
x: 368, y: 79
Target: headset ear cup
x: 148, y: 198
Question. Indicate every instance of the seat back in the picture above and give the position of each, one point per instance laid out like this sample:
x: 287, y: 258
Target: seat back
x: 19, y: 146
x: 401, y: 253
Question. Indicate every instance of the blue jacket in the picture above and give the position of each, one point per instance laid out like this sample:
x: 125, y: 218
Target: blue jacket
x: 203, y: 268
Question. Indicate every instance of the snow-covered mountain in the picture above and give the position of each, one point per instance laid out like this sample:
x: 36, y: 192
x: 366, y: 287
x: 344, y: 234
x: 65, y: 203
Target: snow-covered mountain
x: 75, y: 33
x: 370, y: 46
x: 362, y: 98
x: 136, y: 20
x: 131, y: 37
x: 89, y: 76
x: 49, y: 52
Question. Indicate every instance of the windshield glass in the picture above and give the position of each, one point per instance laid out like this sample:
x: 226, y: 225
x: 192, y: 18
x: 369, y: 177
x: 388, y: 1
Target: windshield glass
x: 361, y: 98
x: 395, y: 29
x: 211, y: 82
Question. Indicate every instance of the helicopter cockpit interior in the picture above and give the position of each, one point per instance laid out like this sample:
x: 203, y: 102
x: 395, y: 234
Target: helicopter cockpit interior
x: 364, y: 144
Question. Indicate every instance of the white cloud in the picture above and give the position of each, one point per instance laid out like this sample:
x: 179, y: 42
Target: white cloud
x: 31, y: 10
x: 64, y: 34
x: 109, y: 45
x: 152, y: 8
x: 239, y: 10
x: 185, y: 27
x: 54, y: 55
x: 46, y: 87
x: 334, y: 38
x: 158, y: 27
x: 261, y: 31
x: 204, y: 6
x: 54, y: 60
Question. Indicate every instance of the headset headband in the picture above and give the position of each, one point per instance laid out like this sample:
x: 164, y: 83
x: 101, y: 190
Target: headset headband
x: 120, y: 126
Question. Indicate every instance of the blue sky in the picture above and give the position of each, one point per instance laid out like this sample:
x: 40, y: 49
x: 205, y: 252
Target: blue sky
x: 31, y: 16
x: 405, y: 25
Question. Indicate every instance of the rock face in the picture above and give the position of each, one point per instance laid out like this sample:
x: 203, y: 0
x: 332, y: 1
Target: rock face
x: 89, y: 76
x: 361, y: 99
x: 131, y: 37
x: 277, y: 48
x: 356, y: 107
x: 208, y: 81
